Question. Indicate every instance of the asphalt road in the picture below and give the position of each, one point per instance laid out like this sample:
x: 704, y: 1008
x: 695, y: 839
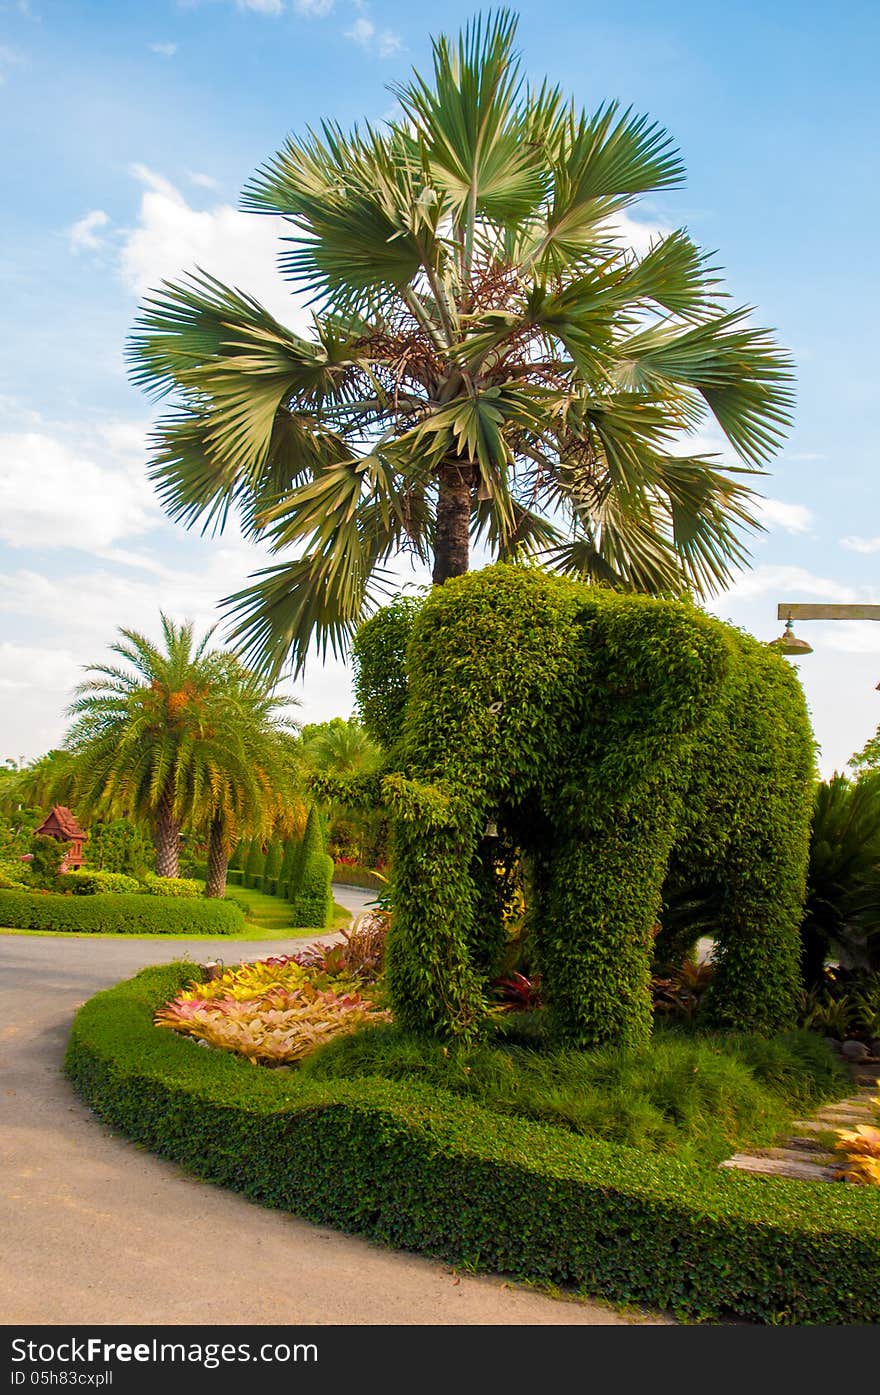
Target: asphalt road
x: 95, y: 1230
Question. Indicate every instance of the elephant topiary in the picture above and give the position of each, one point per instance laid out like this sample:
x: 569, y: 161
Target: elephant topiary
x: 629, y: 747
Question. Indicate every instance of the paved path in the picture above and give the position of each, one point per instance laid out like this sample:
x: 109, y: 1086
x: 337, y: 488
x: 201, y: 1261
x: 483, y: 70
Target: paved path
x: 95, y: 1230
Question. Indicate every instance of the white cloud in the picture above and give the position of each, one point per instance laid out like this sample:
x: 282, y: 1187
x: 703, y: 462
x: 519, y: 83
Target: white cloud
x: 25, y: 668
x: 793, y: 518
x: 204, y: 181
x: 74, y: 487
x: 82, y: 235
x: 852, y: 637
x: 785, y: 584
x: 388, y: 43
x: 634, y: 234
x: 262, y: 7
x: 361, y: 32
x: 314, y: 7
x: 9, y: 58
x: 164, y: 50
x: 171, y: 238
x: 865, y: 545
x: 364, y: 33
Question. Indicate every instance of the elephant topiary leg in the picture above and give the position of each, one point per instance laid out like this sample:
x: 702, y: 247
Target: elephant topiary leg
x: 757, y: 953
x: 434, y: 985
x: 599, y: 896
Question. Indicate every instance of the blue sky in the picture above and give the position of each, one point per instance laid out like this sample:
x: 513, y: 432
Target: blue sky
x: 128, y: 131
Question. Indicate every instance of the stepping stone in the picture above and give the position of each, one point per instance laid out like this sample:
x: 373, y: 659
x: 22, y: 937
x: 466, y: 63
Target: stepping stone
x: 778, y: 1167
x: 855, y: 1114
x: 804, y: 1154
x: 805, y: 1144
x: 814, y: 1154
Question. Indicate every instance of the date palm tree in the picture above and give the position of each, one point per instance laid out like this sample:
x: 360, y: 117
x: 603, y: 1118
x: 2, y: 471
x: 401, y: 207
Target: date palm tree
x: 488, y: 361
x: 245, y: 775
x: 183, y: 735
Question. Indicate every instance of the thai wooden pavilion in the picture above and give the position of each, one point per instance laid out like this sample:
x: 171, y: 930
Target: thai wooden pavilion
x: 62, y: 824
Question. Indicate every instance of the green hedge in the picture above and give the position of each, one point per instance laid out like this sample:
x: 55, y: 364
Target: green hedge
x: 346, y: 875
x: 417, y: 1168
x: 120, y: 914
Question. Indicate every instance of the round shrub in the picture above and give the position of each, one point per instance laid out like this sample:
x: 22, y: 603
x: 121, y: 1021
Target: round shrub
x: 13, y: 876
x: 87, y: 881
x: 110, y: 914
x: 172, y: 886
x: 412, y: 1166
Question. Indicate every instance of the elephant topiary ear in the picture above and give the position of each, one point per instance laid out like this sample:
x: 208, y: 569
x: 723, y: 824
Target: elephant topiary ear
x: 663, y: 663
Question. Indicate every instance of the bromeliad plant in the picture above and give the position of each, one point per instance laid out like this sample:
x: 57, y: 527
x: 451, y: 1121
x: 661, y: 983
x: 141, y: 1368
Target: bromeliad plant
x: 272, y: 1012
x: 359, y: 954
x: 488, y: 360
x: 861, y: 1150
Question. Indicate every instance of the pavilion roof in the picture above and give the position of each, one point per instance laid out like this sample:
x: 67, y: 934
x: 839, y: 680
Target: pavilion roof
x: 64, y: 820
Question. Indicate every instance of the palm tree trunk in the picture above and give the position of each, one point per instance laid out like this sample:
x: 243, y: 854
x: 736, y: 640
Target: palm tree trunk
x: 451, y: 545
x: 166, y: 834
x: 218, y: 861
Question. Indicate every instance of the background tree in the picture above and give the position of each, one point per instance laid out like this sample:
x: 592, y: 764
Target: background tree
x: 116, y: 845
x: 868, y: 758
x: 245, y: 776
x: 488, y: 361
x: 343, y: 750
x: 842, y: 911
x: 185, y: 735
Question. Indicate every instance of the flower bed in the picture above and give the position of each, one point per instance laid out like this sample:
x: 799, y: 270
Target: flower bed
x: 273, y: 1012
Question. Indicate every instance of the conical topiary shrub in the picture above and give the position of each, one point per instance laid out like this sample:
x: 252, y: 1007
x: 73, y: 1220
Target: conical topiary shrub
x: 272, y: 869
x: 288, y: 865
x: 310, y: 890
x: 254, y: 864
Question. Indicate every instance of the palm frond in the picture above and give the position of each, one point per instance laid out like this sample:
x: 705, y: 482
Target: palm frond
x: 741, y: 374
x: 470, y: 124
x: 317, y: 599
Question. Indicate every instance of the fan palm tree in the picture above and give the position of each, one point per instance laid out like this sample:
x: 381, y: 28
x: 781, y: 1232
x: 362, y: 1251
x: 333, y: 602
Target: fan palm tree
x: 488, y: 361
x: 842, y: 910
x: 185, y: 735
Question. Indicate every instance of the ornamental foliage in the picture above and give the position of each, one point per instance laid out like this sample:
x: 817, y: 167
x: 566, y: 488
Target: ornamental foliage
x: 633, y: 750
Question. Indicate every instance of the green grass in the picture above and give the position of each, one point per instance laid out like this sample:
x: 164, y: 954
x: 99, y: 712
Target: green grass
x: 697, y: 1097
x: 269, y: 916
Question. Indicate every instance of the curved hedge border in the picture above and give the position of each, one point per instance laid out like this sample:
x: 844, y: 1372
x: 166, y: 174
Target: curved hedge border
x: 348, y: 874
x: 118, y: 914
x: 422, y: 1170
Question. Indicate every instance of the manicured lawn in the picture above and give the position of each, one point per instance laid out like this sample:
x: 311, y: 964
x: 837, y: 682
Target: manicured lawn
x: 424, y: 1158
x: 268, y: 917
x: 697, y: 1096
